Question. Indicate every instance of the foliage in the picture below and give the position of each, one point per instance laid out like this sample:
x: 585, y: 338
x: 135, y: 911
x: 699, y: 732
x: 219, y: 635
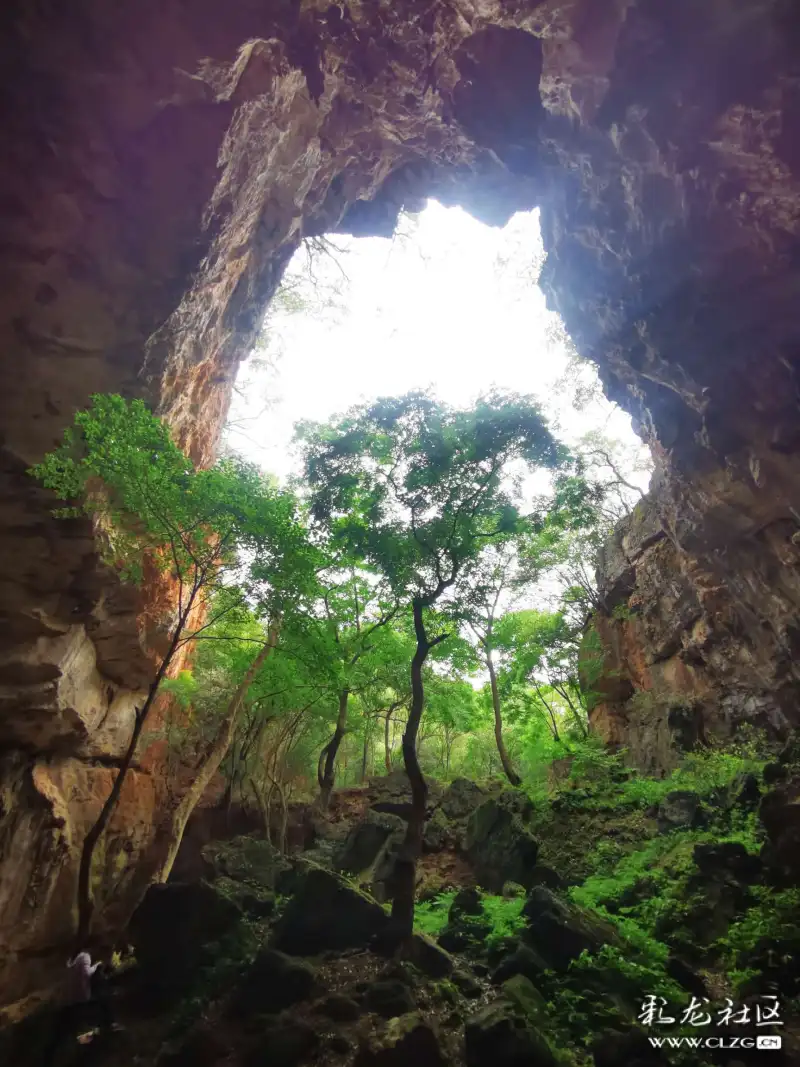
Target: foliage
x: 502, y: 914
x: 505, y: 916
x: 430, y: 916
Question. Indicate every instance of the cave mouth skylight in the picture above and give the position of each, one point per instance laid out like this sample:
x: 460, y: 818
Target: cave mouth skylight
x: 447, y: 303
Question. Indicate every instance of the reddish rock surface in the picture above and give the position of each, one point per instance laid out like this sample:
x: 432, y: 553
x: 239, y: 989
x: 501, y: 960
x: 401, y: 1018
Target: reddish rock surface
x: 162, y: 162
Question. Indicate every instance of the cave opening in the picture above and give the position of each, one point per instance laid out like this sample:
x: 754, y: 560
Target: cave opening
x: 447, y: 303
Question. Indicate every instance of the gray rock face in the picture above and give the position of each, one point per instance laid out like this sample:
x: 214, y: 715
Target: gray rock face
x: 498, y: 842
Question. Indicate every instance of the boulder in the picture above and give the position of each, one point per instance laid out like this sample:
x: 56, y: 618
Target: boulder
x: 284, y: 1042
x: 498, y: 842
x: 559, y: 932
x: 611, y: 1049
x: 466, y: 902
x: 172, y: 931
x: 328, y: 913
x: 256, y: 901
x: 746, y: 791
x: 466, y: 983
x: 512, y: 890
x: 727, y: 858
x: 338, y: 1007
x: 680, y: 810
x: 524, y: 995
x: 779, y: 811
x: 274, y: 982
x: 404, y: 1041
x: 432, y: 959
x: 439, y: 833
x: 383, y: 873
x: 522, y: 960
x: 246, y: 859
x: 466, y: 926
x: 461, y: 798
x: 391, y: 793
x: 500, y: 1035
x: 366, y: 840
x: 541, y: 874
x: 389, y: 997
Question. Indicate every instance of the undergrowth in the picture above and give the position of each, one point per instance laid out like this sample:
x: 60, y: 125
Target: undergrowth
x: 502, y: 914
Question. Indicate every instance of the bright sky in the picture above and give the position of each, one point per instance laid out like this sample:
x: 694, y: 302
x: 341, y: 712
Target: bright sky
x: 448, y: 303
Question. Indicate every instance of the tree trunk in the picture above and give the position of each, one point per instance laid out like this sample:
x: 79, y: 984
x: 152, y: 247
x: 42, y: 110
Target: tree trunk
x: 262, y: 807
x: 387, y: 748
x: 405, y: 871
x: 505, y: 759
x: 328, y: 778
x: 284, y: 820
x: 85, y: 897
x: 170, y: 834
x: 365, y: 755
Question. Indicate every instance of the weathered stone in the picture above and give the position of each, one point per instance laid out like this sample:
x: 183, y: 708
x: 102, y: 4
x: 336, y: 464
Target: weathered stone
x: 391, y: 793
x: 610, y: 1049
x: 365, y: 841
x: 284, y: 1042
x: 500, y: 1035
x: 274, y: 981
x: 524, y: 995
x: 746, y: 792
x: 438, y: 832
x: 467, y: 901
x: 430, y: 958
x: 728, y: 857
x: 340, y: 1008
x: 172, y: 930
x: 466, y: 983
x: 389, y: 998
x: 560, y: 932
x: 499, y: 845
x: 327, y: 913
x: 546, y: 876
x: 461, y: 798
x: 521, y: 960
x: 247, y: 859
x: 404, y: 1041
x: 680, y: 810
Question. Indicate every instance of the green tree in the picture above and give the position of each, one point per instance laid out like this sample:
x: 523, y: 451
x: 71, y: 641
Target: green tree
x: 418, y: 489
x: 118, y: 465
x: 541, y: 649
x: 353, y: 607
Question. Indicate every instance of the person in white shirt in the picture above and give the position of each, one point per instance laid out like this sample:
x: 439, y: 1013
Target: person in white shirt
x: 81, y: 1008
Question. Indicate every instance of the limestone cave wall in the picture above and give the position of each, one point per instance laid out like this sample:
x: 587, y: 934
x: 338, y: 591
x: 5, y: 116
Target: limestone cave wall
x: 162, y: 162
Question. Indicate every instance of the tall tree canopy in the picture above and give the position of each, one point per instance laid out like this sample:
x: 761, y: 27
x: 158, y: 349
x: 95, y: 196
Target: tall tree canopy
x: 419, y: 490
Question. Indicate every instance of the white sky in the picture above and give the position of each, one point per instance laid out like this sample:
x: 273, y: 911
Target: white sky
x: 448, y: 303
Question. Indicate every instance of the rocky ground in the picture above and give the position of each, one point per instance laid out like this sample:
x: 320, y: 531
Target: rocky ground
x: 281, y: 961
